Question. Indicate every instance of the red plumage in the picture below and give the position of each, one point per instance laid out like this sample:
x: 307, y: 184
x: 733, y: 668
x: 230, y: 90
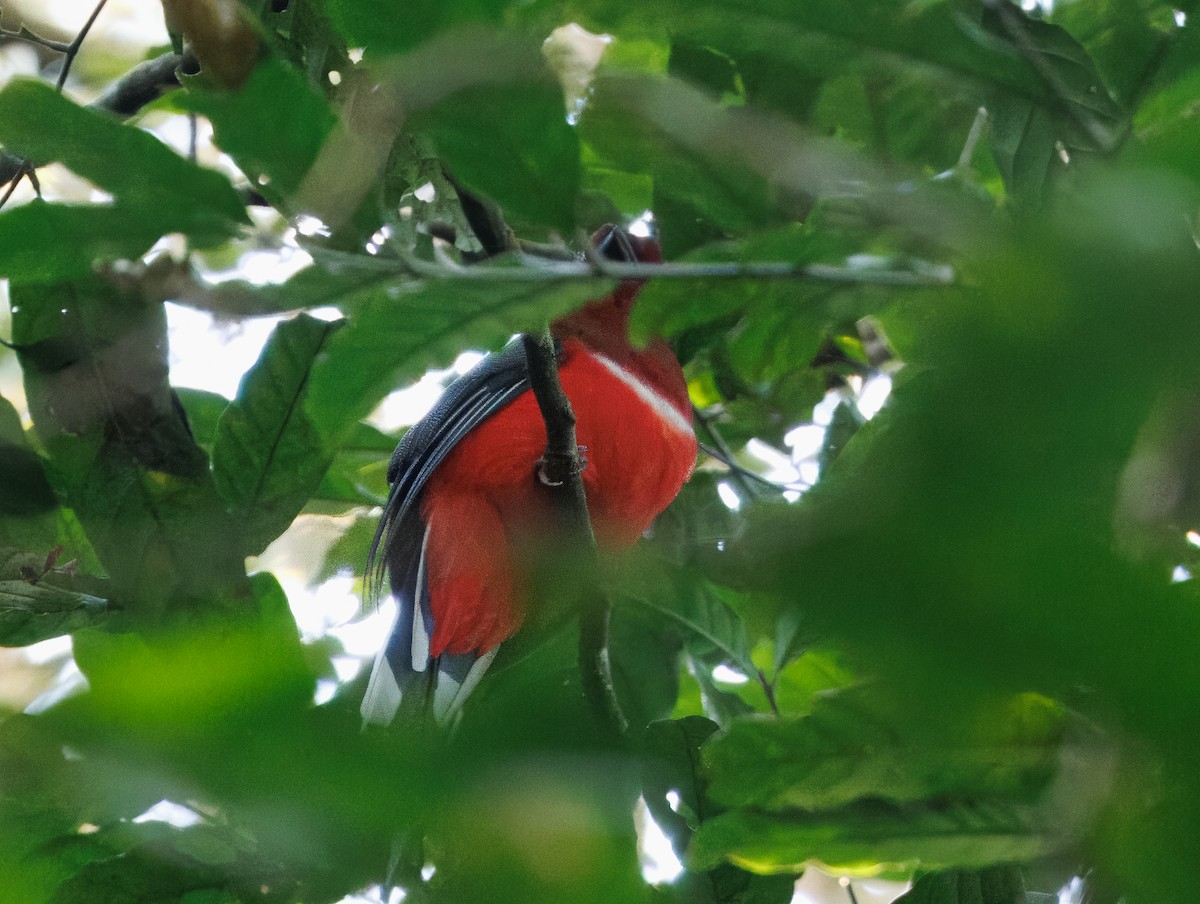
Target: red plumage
x: 481, y: 497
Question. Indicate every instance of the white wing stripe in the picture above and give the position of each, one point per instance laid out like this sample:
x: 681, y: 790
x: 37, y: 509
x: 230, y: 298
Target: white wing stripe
x: 420, y: 631
x: 668, y: 413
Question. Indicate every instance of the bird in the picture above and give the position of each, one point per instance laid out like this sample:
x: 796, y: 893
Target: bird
x: 463, y: 490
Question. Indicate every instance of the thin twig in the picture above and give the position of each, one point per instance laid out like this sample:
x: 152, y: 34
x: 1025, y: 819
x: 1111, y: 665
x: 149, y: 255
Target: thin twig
x: 745, y: 472
x: 722, y: 452
x: 973, y: 136
x: 768, y: 691
x: 30, y: 37
x: 73, y: 48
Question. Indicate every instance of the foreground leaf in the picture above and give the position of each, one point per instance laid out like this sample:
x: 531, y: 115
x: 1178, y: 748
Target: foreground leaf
x: 267, y: 457
x: 395, y: 334
x: 871, y: 835
x: 33, y: 612
x: 149, y: 179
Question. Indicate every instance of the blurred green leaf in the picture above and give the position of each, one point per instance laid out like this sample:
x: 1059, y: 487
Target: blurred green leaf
x: 204, y: 410
x: 706, y: 622
x: 841, y: 752
x: 1067, y: 71
x: 997, y: 885
x: 868, y: 835
x: 267, y: 456
x: 513, y: 144
x: 273, y: 126
x: 374, y: 25
x: 48, y: 243
x: 1023, y: 143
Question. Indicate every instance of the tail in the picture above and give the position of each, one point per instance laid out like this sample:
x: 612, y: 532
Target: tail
x: 406, y: 680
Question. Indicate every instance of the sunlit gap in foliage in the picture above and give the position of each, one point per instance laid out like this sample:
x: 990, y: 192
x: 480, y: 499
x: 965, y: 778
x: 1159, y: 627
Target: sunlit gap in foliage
x: 67, y: 681
x: 819, y: 887
x: 728, y: 675
x: 657, y: 858
x: 1073, y: 892
x: 375, y: 894
x: 176, y: 815
x: 644, y: 226
x: 573, y: 53
x: 379, y: 239
x: 406, y: 406
x: 729, y: 495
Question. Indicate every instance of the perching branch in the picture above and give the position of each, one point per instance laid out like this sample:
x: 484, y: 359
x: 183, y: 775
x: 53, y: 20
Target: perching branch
x: 560, y: 471
x: 541, y: 269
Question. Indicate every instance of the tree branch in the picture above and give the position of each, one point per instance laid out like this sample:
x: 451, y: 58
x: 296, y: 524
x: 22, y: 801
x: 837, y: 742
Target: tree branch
x: 543, y: 269
x: 560, y: 471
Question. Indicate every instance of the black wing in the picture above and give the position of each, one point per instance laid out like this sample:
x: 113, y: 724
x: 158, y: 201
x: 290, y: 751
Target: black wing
x: 404, y: 671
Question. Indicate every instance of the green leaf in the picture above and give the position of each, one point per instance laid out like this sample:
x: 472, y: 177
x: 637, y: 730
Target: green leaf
x: 844, y: 751
x: 513, y: 144
x: 204, y: 410
x: 267, y: 457
x: 707, y: 188
x: 224, y: 665
x: 672, y: 763
x: 44, y: 243
x: 645, y: 666
x: 1073, y: 82
x: 396, y: 333
x: 705, y: 621
x: 33, y: 612
x: 997, y: 885
x: 120, y: 450
x: 273, y: 126
x: 1023, y: 143
x: 148, y: 179
x: 669, y: 307
x: 28, y: 500
x: 867, y: 834
x: 375, y: 25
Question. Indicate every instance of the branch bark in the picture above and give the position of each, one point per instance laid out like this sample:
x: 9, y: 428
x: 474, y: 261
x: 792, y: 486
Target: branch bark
x: 560, y: 471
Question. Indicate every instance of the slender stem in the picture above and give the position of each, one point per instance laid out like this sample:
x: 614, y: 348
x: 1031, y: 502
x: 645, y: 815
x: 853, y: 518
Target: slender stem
x: 725, y: 454
x: 24, y: 34
x: 768, y: 691
x: 72, y: 50
x: 23, y: 169
x: 759, y: 480
x: 972, y: 142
